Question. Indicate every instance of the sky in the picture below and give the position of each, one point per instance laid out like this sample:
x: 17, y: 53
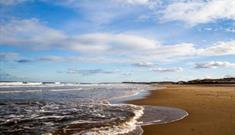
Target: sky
x: 116, y: 40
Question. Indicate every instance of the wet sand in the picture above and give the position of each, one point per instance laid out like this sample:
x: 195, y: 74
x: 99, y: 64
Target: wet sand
x: 211, y: 109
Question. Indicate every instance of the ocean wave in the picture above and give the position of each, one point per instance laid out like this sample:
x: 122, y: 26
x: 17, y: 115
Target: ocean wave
x: 40, y: 117
x: 57, y: 118
x: 98, y: 92
x: 78, y: 110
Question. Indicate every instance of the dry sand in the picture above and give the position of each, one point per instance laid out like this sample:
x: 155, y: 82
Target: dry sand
x: 211, y: 109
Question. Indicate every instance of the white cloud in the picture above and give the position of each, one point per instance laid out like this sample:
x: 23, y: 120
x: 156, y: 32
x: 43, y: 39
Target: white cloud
x: 198, y: 11
x: 172, y: 51
x: 178, y: 69
x: 220, y: 48
x: 32, y: 34
x: 110, y: 42
x: 215, y: 64
x: 192, y: 12
x: 35, y: 35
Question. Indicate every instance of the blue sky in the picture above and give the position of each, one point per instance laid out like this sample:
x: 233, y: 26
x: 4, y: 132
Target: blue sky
x: 116, y: 40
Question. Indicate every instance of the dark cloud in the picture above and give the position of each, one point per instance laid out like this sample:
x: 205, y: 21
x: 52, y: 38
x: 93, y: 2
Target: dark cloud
x: 178, y: 69
x: 42, y: 59
x: 24, y: 61
x: 215, y: 64
x: 143, y: 64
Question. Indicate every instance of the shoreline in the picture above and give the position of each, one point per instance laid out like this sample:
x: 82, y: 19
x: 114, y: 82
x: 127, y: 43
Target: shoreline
x: 211, y: 109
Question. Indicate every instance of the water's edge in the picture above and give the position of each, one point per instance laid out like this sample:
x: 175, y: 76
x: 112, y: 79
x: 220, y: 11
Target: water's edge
x: 91, y: 109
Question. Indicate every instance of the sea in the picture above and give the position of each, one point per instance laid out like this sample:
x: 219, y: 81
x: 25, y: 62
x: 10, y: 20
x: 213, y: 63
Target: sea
x: 78, y: 109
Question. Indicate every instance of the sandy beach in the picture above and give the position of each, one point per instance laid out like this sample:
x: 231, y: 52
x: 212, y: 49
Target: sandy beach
x: 211, y: 109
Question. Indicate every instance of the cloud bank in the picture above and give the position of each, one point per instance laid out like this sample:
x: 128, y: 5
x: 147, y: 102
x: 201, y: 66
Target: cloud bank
x: 34, y: 35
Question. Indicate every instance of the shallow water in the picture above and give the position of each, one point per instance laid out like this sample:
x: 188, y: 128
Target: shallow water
x: 78, y: 109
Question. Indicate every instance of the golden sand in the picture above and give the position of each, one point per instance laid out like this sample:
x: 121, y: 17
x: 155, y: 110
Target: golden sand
x: 211, y: 109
